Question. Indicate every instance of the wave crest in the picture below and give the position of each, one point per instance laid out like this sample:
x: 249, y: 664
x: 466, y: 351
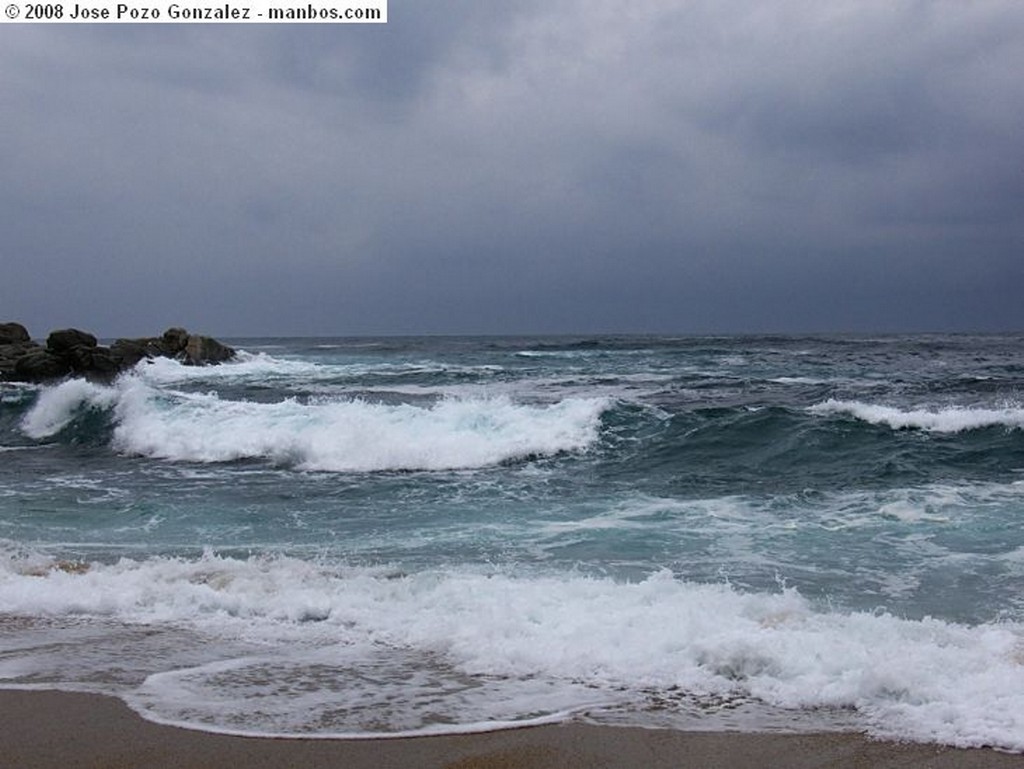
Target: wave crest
x: 952, y: 419
x: 340, y: 435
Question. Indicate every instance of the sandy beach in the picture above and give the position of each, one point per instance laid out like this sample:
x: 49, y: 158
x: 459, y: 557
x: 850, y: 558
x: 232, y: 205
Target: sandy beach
x: 59, y: 730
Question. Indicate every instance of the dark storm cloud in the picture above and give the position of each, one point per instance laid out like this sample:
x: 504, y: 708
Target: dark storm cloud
x: 468, y: 167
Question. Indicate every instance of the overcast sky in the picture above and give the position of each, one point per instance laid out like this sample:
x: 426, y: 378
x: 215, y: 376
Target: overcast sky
x: 679, y: 166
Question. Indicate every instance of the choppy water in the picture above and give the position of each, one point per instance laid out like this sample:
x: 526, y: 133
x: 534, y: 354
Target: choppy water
x: 383, y: 536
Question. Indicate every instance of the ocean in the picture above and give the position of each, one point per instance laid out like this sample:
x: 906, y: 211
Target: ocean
x: 373, y: 537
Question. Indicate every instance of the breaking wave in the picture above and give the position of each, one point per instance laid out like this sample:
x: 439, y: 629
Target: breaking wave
x: 457, y: 647
x: 328, y: 434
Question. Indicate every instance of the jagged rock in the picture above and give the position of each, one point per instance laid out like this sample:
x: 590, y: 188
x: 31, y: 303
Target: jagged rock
x: 59, y: 342
x: 13, y: 333
x: 38, y: 365
x: 204, y: 350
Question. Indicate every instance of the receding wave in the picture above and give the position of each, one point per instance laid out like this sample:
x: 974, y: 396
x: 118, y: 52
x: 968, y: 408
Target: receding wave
x: 950, y: 419
x: 320, y: 434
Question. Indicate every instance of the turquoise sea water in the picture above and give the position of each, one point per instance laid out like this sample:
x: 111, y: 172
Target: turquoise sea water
x: 382, y: 536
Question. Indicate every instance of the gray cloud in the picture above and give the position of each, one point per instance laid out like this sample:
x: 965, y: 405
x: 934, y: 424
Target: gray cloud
x: 679, y: 166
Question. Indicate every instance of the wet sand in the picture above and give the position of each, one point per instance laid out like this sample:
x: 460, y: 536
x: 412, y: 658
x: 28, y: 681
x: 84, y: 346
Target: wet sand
x: 60, y: 730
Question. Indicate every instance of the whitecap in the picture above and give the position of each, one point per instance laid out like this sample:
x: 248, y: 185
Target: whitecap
x: 327, y: 434
x: 950, y: 419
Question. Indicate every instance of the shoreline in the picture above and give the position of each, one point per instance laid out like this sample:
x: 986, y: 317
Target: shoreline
x: 69, y: 730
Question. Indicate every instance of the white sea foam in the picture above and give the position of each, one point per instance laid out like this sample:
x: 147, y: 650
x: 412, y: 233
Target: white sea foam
x: 381, y: 691
x: 268, y: 369
x: 246, y: 367
x: 425, y: 377
x: 951, y: 419
x: 344, y: 640
x: 799, y: 380
x: 939, y: 503
x: 326, y: 434
x: 13, y: 394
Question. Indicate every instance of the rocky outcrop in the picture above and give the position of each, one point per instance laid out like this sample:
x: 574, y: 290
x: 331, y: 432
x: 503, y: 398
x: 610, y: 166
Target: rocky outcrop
x: 38, y: 365
x: 13, y: 333
x: 15, y: 344
x: 203, y: 350
x: 73, y: 352
x: 66, y: 339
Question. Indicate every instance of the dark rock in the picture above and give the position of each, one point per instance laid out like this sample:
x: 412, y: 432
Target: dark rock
x: 79, y: 358
x: 39, y: 365
x: 72, y: 351
x: 174, y: 340
x: 13, y: 333
x: 15, y: 351
x: 93, y: 362
x: 10, y: 354
x: 103, y: 364
x: 61, y: 341
x: 204, y: 350
x: 128, y: 352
